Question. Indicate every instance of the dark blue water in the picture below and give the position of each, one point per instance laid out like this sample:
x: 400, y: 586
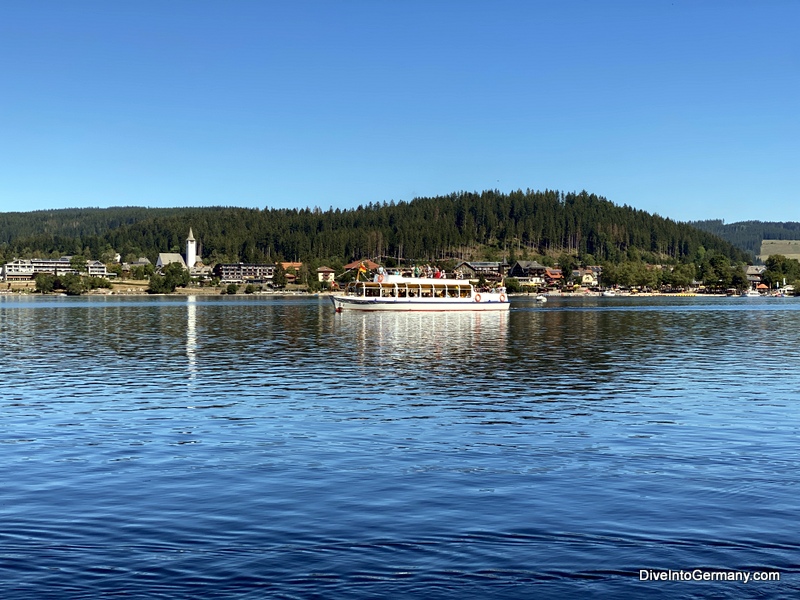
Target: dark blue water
x: 270, y: 448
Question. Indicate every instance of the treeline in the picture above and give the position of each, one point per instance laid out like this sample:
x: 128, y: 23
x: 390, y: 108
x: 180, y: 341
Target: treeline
x: 748, y: 235
x: 62, y: 226
x: 472, y: 226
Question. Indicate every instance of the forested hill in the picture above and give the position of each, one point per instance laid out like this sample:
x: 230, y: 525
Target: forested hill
x: 73, y: 222
x: 473, y: 226
x: 748, y: 235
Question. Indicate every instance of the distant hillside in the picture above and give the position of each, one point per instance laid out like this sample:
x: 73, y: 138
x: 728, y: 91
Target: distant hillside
x: 788, y: 248
x: 461, y: 225
x: 748, y: 235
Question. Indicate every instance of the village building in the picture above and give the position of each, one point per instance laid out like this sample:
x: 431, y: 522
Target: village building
x: 325, y: 275
x: 292, y: 270
x: 190, y: 261
x: 95, y: 268
x: 553, y: 277
x: 489, y: 270
x: 587, y: 276
x: 755, y: 274
x: 168, y: 258
x: 27, y: 269
x: 244, y: 272
x: 528, y: 272
x: 139, y: 262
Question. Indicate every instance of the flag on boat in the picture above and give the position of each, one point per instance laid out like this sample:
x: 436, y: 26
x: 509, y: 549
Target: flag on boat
x: 362, y: 268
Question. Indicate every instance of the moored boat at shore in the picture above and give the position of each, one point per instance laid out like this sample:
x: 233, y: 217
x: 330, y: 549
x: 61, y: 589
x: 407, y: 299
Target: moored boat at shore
x: 400, y: 293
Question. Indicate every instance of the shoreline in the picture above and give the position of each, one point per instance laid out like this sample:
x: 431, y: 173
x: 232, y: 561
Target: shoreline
x: 139, y: 288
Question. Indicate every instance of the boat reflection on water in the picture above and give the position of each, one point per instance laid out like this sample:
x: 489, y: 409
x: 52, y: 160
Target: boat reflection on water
x: 410, y: 338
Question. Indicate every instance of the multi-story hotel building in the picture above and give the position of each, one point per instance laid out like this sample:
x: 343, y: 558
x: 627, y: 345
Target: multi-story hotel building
x: 244, y: 272
x: 26, y: 269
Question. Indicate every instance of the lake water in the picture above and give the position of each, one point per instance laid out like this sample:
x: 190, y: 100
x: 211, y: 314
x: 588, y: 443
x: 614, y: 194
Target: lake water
x: 264, y: 447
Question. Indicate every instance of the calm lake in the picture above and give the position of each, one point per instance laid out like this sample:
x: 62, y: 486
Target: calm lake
x: 265, y: 447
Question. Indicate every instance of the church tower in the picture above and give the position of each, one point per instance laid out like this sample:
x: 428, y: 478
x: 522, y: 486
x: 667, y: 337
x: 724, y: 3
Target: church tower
x: 191, y: 250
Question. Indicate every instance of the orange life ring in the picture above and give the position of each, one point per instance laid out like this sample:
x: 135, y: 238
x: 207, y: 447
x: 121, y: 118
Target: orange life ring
x: 380, y: 278
x: 477, y: 297
x: 502, y: 297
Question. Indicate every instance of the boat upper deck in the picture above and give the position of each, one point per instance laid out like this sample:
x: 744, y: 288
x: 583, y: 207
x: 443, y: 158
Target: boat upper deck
x: 399, y: 286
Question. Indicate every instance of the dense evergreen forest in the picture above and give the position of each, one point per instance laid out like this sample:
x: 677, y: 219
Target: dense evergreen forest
x: 748, y: 235
x: 469, y: 226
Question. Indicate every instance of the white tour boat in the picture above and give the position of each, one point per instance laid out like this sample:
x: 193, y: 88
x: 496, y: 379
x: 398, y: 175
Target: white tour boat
x: 400, y: 293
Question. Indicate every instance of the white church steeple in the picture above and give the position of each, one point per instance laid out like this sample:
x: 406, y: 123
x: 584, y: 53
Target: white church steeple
x: 191, y: 250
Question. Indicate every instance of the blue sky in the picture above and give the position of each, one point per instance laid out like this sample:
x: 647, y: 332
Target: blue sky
x: 684, y: 108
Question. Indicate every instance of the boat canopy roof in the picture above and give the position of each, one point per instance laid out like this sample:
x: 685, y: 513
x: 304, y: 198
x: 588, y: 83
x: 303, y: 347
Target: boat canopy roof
x: 401, y: 279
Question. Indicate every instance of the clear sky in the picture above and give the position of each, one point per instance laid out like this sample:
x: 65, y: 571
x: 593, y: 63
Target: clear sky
x: 685, y: 108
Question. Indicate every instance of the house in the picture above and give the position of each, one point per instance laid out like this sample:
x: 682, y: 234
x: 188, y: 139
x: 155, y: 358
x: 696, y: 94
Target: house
x: 491, y: 271
x: 755, y: 273
x: 325, y: 274
x: 528, y: 272
x: 526, y: 268
x: 587, y: 277
x: 200, y: 271
x: 553, y: 277
x: 95, y: 268
x: 140, y: 262
x: 292, y: 270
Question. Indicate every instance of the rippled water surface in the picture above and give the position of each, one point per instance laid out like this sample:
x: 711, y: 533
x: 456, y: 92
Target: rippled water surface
x: 217, y: 447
